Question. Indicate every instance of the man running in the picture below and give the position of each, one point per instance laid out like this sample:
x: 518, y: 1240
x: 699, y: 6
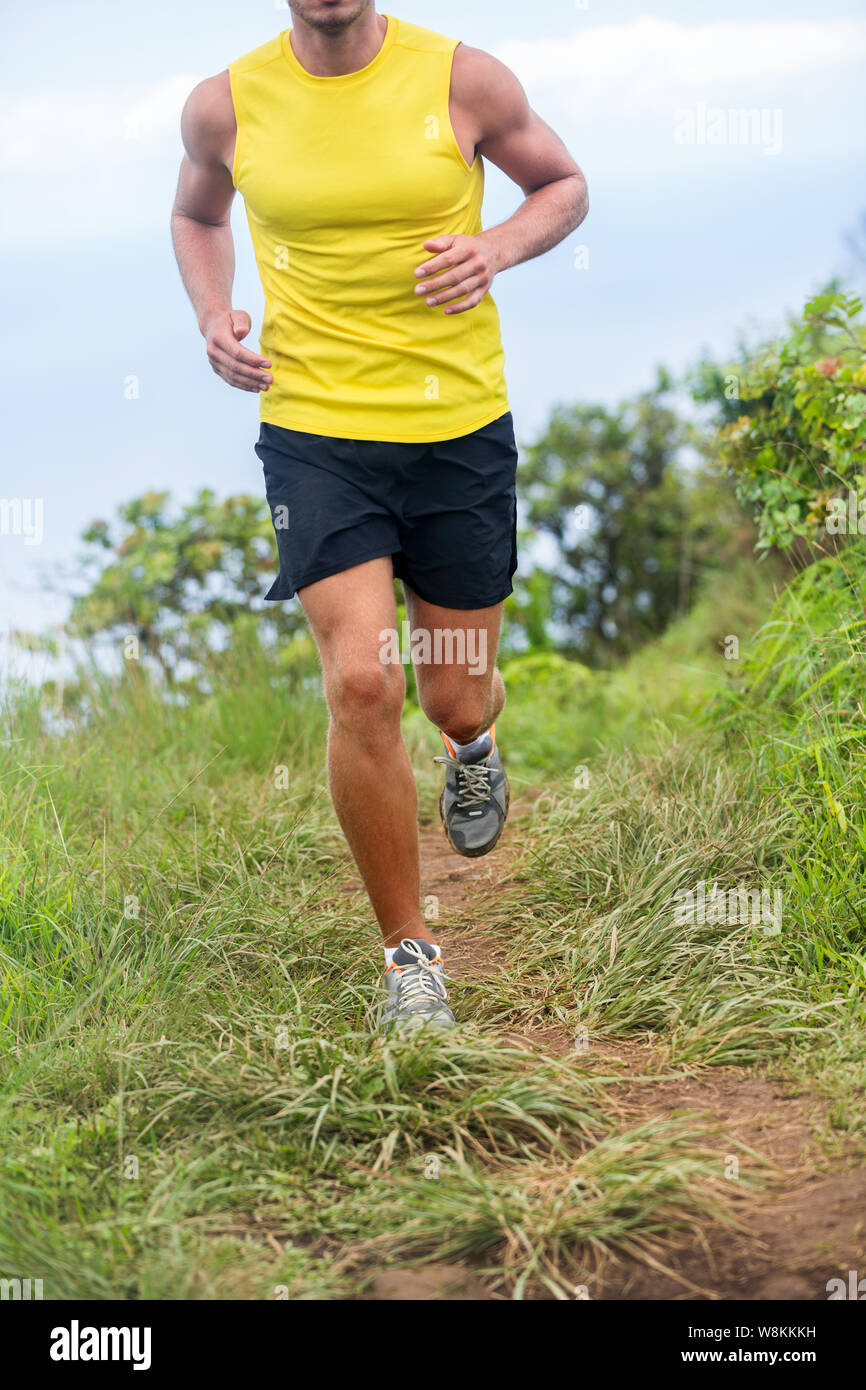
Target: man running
x: 356, y: 141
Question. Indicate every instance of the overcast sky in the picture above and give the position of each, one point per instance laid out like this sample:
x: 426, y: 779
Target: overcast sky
x: 689, y: 239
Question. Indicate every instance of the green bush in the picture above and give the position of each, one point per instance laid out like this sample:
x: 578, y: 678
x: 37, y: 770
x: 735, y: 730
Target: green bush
x: 797, y: 447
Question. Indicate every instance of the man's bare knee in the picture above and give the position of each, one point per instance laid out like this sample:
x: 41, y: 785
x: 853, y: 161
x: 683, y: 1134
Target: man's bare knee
x: 367, y: 693
x: 462, y: 710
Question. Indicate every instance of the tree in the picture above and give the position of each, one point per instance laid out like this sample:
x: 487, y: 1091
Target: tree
x: 632, y: 525
x: 181, y: 585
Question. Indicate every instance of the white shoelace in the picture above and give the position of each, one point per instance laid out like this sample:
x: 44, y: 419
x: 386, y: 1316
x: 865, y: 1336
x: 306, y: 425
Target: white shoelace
x: 418, y: 981
x: 473, y: 781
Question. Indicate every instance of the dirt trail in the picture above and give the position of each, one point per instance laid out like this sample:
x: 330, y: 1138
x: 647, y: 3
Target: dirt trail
x: 807, y: 1227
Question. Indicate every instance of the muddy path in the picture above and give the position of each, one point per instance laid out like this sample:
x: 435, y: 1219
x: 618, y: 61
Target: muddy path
x: 805, y: 1226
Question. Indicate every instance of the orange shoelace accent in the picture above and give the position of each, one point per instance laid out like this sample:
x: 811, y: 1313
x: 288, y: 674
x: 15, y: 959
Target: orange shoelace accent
x: 437, y: 960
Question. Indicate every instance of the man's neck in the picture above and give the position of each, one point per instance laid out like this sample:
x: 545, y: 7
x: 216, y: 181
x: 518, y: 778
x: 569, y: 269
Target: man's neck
x: 336, y: 55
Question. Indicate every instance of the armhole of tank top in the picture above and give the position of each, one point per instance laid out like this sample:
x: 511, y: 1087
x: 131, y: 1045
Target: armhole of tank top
x: 234, y: 169
x: 449, y: 66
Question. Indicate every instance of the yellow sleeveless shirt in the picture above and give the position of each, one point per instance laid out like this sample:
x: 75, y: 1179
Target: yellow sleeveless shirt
x: 344, y: 179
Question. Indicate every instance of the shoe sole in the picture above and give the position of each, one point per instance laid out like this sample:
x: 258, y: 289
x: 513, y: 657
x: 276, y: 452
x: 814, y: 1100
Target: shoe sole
x: 474, y: 853
x: 402, y: 1028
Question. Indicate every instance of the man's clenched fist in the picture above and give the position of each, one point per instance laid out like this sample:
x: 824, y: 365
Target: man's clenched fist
x: 235, y: 364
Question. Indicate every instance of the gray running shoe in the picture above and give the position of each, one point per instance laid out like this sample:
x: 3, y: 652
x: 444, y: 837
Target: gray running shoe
x: 416, y: 989
x: 474, y: 800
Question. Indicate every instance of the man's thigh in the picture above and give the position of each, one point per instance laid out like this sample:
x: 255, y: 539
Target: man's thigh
x: 349, y: 612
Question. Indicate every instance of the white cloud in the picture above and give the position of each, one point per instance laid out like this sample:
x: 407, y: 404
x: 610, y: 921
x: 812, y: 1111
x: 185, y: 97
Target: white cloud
x: 71, y: 128
x: 649, y: 62
x: 694, y: 54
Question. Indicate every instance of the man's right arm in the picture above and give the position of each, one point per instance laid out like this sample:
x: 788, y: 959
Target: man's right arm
x: 202, y: 235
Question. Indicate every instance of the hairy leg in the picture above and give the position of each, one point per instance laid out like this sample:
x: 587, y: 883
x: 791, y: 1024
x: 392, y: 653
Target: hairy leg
x: 459, y: 688
x: 371, y: 782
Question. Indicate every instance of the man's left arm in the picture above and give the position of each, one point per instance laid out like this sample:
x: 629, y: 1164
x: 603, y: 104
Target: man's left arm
x: 488, y: 102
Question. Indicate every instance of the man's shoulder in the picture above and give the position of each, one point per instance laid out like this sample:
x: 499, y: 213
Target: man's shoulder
x: 269, y: 52
x: 208, y: 116
x: 479, y: 78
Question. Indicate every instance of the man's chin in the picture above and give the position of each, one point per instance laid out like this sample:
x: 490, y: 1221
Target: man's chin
x: 331, y: 22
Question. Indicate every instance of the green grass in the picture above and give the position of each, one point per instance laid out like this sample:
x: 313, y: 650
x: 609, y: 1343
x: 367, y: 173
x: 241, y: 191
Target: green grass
x: 561, y: 713
x: 193, y: 1099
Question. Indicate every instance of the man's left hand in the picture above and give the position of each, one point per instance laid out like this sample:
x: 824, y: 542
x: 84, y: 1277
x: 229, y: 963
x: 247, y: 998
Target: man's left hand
x: 462, y: 269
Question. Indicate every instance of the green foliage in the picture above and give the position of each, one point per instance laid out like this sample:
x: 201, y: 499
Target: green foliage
x: 183, y: 585
x: 599, y: 919
x: 528, y: 617
x: 807, y: 658
x: 799, y: 712
x: 633, y: 526
x: 799, y: 436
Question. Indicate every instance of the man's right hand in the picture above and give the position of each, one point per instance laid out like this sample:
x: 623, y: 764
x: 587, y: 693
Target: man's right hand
x: 235, y: 364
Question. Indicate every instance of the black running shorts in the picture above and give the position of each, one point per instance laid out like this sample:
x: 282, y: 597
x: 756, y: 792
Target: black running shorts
x: 446, y: 513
